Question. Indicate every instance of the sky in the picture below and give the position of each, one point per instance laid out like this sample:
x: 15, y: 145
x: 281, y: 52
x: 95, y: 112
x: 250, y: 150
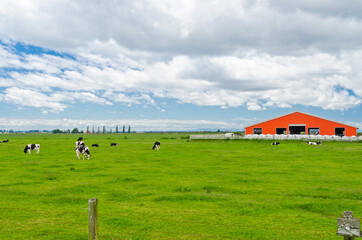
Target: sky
x: 185, y: 65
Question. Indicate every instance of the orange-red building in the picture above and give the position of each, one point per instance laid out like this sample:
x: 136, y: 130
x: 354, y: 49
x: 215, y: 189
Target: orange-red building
x: 301, y: 123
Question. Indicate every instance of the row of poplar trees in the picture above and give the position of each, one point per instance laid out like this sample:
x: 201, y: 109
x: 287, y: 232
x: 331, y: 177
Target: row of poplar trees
x: 105, y: 130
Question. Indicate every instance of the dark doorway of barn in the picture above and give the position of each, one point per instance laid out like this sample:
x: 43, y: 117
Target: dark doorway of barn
x: 258, y: 131
x: 296, y: 129
x: 313, y: 131
x: 339, y: 132
x: 281, y: 131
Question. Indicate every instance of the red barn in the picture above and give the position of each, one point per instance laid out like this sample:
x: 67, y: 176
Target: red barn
x: 301, y: 123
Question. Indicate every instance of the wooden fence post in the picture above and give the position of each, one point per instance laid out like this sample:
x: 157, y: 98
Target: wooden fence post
x: 93, y: 219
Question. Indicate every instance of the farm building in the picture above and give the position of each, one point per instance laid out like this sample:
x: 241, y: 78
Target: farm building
x: 301, y: 123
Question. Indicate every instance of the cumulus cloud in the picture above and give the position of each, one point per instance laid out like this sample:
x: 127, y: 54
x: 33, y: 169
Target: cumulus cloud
x: 185, y: 27
x: 136, y: 124
x: 258, y: 54
x: 330, y: 8
x: 31, y: 98
x: 123, y: 98
x: 255, y: 80
x: 48, y: 103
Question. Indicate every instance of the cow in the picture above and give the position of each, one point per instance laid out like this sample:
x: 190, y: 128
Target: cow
x: 156, y: 146
x: 80, y: 139
x: 114, y: 144
x: 30, y: 147
x: 95, y: 145
x: 314, y: 143
x: 275, y: 143
x: 81, y: 148
x: 5, y: 141
x: 78, y: 144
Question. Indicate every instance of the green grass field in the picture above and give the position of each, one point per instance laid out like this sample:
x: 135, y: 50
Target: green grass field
x: 238, y: 189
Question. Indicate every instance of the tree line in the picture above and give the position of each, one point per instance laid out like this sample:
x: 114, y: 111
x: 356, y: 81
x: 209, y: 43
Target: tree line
x: 104, y: 130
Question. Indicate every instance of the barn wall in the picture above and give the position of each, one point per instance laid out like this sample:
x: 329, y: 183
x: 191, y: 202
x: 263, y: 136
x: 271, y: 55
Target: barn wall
x: 326, y: 127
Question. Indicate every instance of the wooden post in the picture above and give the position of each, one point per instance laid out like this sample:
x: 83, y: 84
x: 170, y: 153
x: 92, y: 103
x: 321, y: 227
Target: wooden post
x: 93, y: 219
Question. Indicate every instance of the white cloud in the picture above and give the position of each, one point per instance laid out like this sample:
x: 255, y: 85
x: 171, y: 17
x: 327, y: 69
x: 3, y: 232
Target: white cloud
x: 255, y: 80
x: 136, y: 124
x: 79, y: 96
x: 257, y: 54
x: 48, y: 103
x: 184, y: 27
x: 135, y: 99
x: 23, y: 97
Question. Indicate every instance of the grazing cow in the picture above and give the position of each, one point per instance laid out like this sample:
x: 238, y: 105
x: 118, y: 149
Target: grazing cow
x: 95, y: 145
x: 30, y: 147
x: 81, y: 148
x: 80, y: 139
x: 314, y: 143
x: 275, y: 143
x: 114, y: 144
x: 79, y: 144
x: 5, y: 141
x: 156, y: 146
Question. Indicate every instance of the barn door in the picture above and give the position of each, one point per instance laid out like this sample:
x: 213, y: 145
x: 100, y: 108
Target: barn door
x: 296, y: 129
x: 339, y: 132
x: 281, y: 131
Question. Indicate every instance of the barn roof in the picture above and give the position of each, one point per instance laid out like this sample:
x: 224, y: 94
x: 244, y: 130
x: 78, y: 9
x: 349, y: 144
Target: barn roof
x: 301, y: 113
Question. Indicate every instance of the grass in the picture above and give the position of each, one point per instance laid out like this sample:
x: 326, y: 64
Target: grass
x: 237, y: 189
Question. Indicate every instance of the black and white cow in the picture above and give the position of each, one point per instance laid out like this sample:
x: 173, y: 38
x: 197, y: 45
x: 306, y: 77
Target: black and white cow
x: 80, y: 139
x: 314, y: 143
x: 114, y: 144
x: 275, y: 143
x: 5, y: 141
x: 78, y: 144
x: 156, y: 146
x: 81, y: 148
x: 95, y: 145
x: 30, y: 147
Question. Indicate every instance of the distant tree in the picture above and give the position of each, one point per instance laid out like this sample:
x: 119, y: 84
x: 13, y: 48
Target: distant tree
x: 129, y: 129
x: 87, y: 129
x: 75, y: 130
x: 104, y: 129
x: 117, y: 129
x: 93, y: 130
x: 56, y: 131
x: 99, y: 130
x: 124, y: 128
x: 11, y: 131
x: 110, y: 130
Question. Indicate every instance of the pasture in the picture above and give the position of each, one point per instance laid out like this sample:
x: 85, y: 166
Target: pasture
x: 237, y: 189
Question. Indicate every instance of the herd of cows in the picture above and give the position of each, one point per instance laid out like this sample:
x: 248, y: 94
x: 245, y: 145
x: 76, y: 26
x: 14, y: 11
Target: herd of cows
x: 308, y: 142
x: 314, y: 143
x: 80, y: 147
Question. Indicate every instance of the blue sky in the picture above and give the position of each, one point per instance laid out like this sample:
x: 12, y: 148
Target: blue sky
x: 185, y: 65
